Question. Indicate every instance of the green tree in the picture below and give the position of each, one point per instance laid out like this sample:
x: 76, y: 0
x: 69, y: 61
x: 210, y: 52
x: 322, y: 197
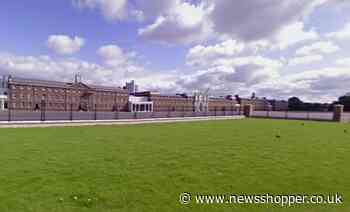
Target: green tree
x: 345, y: 100
x: 295, y: 104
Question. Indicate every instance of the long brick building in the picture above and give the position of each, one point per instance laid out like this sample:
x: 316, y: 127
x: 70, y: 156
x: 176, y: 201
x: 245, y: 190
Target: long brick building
x: 163, y: 103
x: 28, y: 94
x: 31, y: 95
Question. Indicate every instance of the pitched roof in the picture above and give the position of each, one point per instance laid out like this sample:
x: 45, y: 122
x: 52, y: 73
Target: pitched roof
x: 56, y: 84
x: 36, y: 82
x: 107, y: 88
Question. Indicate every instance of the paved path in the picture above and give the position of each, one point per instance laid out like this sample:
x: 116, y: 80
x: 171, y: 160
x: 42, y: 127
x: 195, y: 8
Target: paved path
x: 31, y: 124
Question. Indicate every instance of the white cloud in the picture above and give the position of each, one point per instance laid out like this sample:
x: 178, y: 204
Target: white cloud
x: 236, y: 75
x: 226, y: 68
x: 112, y: 55
x: 157, y: 8
x: 64, y: 69
x: 320, y: 85
x: 185, y: 23
x: 232, y: 60
x: 63, y: 44
x: 203, y: 54
x: 342, y: 34
x: 256, y: 19
x: 321, y: 47
x: 293, y: 34
x: 324, y: 84
x: 45, y: 67
x: 224, y: 77
x: 230, y: 74
x: 343, y: 62
x: 303, y: 60
x: 110, y: 9
x: 278, y: 21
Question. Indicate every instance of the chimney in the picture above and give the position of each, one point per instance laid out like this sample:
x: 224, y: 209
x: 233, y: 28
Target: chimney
x: 77, y: 78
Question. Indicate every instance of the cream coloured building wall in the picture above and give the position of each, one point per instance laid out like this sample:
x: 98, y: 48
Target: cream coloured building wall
x: 3, y: 99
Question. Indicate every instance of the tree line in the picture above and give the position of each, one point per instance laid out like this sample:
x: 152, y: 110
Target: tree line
x: 295, y: 104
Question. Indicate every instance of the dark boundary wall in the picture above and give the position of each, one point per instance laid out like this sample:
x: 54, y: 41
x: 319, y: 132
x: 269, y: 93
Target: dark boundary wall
x: 312, y: 116
x: 98, y: 115
x: 317, y: 116
x: 78, y: 116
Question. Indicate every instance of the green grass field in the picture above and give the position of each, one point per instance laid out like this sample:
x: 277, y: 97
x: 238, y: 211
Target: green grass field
x: 146, y: 167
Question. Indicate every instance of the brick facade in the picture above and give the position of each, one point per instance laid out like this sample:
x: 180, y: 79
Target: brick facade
x: 258, y: 104
x: 30, y: 95
x: 222, y: 104
x: 162, y: 103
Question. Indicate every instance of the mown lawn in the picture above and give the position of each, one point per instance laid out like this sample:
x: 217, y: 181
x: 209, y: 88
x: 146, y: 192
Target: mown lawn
x: 146, y: 167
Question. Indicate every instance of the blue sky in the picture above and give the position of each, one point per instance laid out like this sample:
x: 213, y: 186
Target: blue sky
x: 28, y: 24
x: 276, y: 49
